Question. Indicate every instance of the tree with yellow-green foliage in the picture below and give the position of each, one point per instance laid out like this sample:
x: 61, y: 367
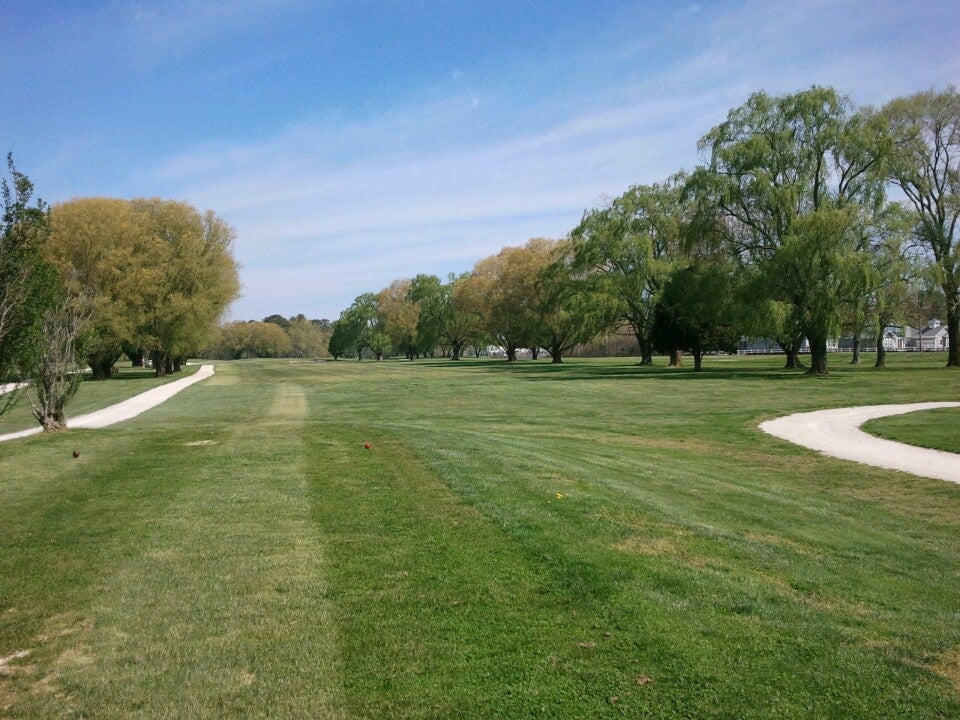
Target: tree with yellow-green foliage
x: 99, y: 246
x: 398, y: 316
x: 155, y: 274
x: 503, y: 291
x: 189, y: 277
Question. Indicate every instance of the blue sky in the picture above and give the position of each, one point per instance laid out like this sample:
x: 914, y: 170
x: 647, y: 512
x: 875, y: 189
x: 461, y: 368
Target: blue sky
x: 352, y: 143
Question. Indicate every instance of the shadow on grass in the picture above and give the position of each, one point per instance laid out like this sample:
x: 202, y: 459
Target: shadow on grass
x: 730, y: 369
x: 139, y: 374
x: 584, y: 370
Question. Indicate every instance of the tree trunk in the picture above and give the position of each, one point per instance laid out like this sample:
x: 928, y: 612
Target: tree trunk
x: 511, y: 354
x: 359, y: 355
x: 159, y: 359
x: 697, y: 360
x: 136, y: 354
x: 953, y: 336
x: 177, y: 364
x: 455, y: 351
x: 818, y: 355
x: 169, y: 365
x: 534, y: 353
x: 102, y: 364
x: 881, y: 351
x: 646, y: 349
x: 676, y: 358
x: 556, y: 355
x: 856, y: 352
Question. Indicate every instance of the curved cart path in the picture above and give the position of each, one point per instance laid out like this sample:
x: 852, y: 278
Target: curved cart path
x: 837, y: 433
x: 127, y: 409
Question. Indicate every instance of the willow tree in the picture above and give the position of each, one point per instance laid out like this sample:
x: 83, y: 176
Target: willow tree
x: 359, y: 328
x: 797, y: 176
x: 633, y: 245
x: 572, y: 305
x: 697, y: 311
x: 399, y: 316
x: 503, y: 290
x: 462, y: 323
x: 99, y: 246
x: 189, y: 278
x: 925, y: 165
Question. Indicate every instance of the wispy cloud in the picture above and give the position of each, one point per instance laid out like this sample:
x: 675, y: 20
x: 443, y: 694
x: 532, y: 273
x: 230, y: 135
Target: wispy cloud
x: 333, y: 201
x: 414, y: 206
x: 157, y: 31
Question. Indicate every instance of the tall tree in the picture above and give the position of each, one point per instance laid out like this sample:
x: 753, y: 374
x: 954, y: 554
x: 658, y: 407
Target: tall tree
x: 503, y: 289
x: 399, y: 316
x: 633, y: 244
x: 463, y: 325
x: 99, y: 245
x: 925, y: 165
x: 697, y: 311
x: 795, y: 176
x: 572, y: 305
x: 190, y: 280
x: 359, y: 328
x: 432, y: 302
x: 28, y: 285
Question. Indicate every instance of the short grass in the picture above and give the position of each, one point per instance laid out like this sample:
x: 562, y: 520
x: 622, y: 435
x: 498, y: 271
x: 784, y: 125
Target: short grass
x: 938, y: 429
x: 590, y: 540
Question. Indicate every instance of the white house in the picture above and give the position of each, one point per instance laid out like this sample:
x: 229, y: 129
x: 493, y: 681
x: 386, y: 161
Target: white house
x: 934, y: 336
x: 894, y: 339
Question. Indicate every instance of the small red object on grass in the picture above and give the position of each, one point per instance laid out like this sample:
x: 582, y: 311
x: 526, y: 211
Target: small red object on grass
x: 76, y: 453
x: 366, y: 446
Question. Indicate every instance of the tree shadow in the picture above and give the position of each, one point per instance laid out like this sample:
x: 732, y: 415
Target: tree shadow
x: 537, y: 370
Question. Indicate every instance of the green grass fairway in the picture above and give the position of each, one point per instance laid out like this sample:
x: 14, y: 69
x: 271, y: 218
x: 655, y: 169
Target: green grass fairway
x: 938, y: 429
x: 588, y: 540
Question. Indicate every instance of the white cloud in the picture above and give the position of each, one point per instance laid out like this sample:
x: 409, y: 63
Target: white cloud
x: 326, y: 210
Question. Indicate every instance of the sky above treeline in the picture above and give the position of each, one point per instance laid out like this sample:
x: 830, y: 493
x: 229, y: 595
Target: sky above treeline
x: 351, y: 143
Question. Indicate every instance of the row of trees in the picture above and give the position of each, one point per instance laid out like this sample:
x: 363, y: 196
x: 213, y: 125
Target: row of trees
x: 786, y: 231
x: 87, y: 280
x: 273, y: 337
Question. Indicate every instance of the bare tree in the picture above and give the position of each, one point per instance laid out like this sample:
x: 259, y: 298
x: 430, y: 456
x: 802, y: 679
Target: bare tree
x: 54, y: 374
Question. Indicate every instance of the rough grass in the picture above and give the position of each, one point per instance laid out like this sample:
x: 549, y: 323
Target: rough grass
x: 938, y: 429
x: 590, y: 540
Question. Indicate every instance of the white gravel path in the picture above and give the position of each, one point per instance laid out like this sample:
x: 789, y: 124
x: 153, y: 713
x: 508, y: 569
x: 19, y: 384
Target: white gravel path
x: 127, y: 409
x: 837, y: 433
x: 10, y: 387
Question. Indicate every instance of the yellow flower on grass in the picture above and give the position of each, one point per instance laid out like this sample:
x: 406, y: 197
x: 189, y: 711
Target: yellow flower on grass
x: 560, y: 496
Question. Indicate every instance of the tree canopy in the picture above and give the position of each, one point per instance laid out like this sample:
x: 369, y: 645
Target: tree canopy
x: 796, y: 178
x: 925, y: 165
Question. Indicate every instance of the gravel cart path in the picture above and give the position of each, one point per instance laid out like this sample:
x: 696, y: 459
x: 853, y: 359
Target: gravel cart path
x: 837, y: 433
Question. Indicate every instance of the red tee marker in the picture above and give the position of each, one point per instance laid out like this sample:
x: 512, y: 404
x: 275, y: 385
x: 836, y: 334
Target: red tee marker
x: 366, y: 446
x: 76, y: 453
